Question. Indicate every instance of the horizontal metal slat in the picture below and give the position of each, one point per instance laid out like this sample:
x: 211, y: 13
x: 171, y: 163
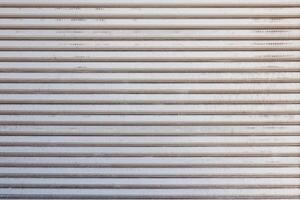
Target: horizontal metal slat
x: 149, y: 13
x: 150, y: 120
x: 115, y: 141
x: 148, y: 193
x: 149, y: 24
x: 149, y: 162
x: 146, y: 88
x: 253, y: 45
x: 165, y: 183
x: 274, y: 77
x: 149, y: 109
x: 261, y: 34
x: 226, y: 173
x: 150, y: 99
x: 41, y: 151
x: 149, y: 3
x: 146, y: 67
x: 155, y: 56
x: 149, y: 130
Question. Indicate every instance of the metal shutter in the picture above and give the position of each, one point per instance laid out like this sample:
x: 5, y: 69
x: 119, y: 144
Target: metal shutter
x: 149, y: 99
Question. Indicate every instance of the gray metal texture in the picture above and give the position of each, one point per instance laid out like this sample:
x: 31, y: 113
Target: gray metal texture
x: 149, y: 99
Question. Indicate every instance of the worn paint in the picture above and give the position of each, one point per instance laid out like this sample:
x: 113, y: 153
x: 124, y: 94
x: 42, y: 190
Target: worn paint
x: 147, y: 99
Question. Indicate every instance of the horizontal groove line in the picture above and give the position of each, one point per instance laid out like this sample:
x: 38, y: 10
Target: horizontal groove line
x: 124, y: 70
x: 137, y: 26
x: 188, y: 176
x: 141, y: 16
x: 211, y: 144
x: 16, y: 112
x: 150, y: 5
x: 113, y: 123
x: 239, y: 27
x: 224, y: 102
x: 150, y: 92
x: 45, y: 133
x: 151, y: 197
x: 146, y: 197
x: 142, y: 102
x: 149, y: 38
x: 94, y: 165
x: 146, y: 186
x: 158, y: 155
x: 274, y: 80
x: 54, y: 59
x: 59, y: 49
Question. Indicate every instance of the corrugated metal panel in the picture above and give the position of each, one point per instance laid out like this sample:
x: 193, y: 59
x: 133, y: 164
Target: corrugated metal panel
x: 148, y: 99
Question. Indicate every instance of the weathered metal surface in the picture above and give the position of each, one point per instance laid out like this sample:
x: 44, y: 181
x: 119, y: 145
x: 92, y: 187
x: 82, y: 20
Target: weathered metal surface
x: 147, y: 99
